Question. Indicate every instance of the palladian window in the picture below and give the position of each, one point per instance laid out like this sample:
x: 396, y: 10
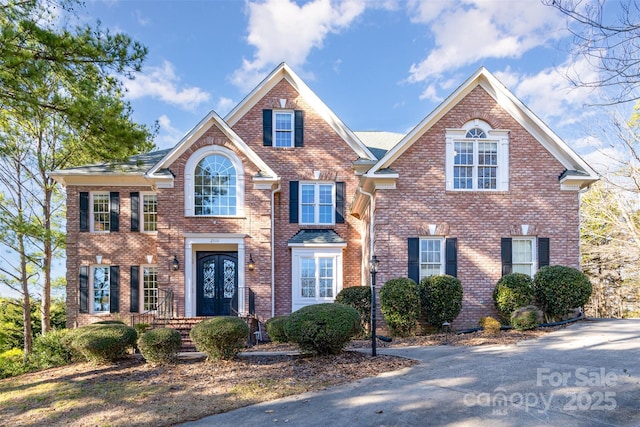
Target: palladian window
x: 215, y: 186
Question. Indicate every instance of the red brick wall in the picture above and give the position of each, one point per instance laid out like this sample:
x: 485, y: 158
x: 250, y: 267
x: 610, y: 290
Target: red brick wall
x: 478, y: 219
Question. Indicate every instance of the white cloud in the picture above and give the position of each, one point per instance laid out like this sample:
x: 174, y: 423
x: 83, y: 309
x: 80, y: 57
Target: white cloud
x: 224, y: 106
x: 168, y: 135
x: 468, y: 31
x: 605, y: 161
x: 431, y: 93
x: 141, y: 20
x: 163, y: 83
x: 281, y: 30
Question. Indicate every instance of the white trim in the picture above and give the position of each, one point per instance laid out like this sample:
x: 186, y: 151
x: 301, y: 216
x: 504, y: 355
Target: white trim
x: 316, y: 202
x: 141, y: 287
x: 297, y: 254
x: 442, y: 253
x: 534, y: 253
x: 291, y: 131
x: 189, y: 171
x: 197, y: 241
x: 91, y: 290
x: 92, y: 217
x: 141, y: 222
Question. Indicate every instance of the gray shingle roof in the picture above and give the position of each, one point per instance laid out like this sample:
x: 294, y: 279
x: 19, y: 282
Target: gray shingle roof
x: 316, y: 237
x: 379, y: 142
x: 138, y: 164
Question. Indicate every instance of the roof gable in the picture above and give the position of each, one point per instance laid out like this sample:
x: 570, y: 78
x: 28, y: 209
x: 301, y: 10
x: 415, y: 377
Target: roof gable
x: 283, y: 71
x: 507, y: 100
x: 213, y: 119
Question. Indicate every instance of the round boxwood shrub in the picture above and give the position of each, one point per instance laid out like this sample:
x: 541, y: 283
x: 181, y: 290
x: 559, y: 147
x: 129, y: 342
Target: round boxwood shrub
x: 160, y: 346
x: 525, y: 318
x: 512, y: 291
x: 440, y: 298
x: 275, y: 328
x: 220, y: 337
x: 358, y: 297
x: 400, y: 304
x: 559, y: 290
x: 104, y: 343
x: 323, y: 328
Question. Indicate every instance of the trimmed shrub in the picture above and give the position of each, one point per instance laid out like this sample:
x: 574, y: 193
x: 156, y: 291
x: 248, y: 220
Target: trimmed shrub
x: 526, y: 318
x: 275, y: 328
x: 12, y: 363
x: 220, y: 337
x: 104, y: 343
x: 490, y: 325
x: 512, y: 291
x: 54, y: 349
x: 141, y: 328
x: 400, y: 305
x: 559, y: 290
x: 358, y: 297
x: 109, y: 322
x: 160, y: 346
x: 323, y: 328
x: 440, y: 298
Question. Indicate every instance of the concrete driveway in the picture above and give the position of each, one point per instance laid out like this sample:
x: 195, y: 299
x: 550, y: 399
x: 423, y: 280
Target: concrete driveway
x: 585, y: 375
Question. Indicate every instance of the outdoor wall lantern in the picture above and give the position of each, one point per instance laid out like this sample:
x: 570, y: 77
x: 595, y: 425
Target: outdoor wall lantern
x: 252, y: 264
x: 373, y: 269
x: 175, y: 265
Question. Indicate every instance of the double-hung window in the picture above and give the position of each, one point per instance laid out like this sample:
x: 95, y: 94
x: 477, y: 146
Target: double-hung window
x: 317, y: 203
x: 283, y: 130
x: 523, y: 255
x: 100, y: 289
x: 100, y: 219
x: 149, y: 288
x: 477, y: 158
x: 316, y: 275
x: 149, y: 212
x: 432, y: 259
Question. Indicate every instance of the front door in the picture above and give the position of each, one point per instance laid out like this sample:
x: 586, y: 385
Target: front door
x: 217, y: 284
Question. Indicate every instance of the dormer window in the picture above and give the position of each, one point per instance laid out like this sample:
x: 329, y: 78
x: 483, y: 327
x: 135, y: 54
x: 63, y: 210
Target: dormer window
x: 477, y: 158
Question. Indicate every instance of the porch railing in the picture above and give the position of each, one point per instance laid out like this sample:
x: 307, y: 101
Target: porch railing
x: 159, y: 316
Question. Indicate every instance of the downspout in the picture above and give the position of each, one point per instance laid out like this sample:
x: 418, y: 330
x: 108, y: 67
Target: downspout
x: 372, y: 208
x: 273, y: 249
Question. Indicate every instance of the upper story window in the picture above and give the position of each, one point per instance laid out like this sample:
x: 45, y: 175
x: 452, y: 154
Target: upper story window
x: 99, y: 211
x: 149, y: 212
x: 432, y: 259
x: 214, y: 183
x: 100, y: 214
x: 477, y: 158
x: 317, y: 203
x: 283, y: 128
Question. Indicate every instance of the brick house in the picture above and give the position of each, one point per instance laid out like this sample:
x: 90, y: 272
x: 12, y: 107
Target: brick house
x: 280, y: 205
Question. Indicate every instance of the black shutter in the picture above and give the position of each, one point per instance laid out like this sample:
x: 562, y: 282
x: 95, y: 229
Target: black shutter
x: 114, y: 289
x: 114, y: 211
x: 299, y: 128
x: 413, y: 268
x: 84, y: 211
x: 451, y: 256
x: 543, y: 251
x: 134, y: 291
x: 84, y: 289
x: 293, y: 202
x: 135, y: 211
x: 507, y: 255
x: 340, y: 190
x: 267, y: 128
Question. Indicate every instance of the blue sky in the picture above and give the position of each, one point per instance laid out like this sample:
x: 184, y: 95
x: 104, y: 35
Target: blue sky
x: 379, y: 65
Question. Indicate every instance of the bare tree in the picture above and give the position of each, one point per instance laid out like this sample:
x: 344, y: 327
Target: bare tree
x: 607, y: 35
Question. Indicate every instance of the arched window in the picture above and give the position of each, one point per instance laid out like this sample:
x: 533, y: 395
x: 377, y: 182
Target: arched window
x: 215, y: 186
x: 214, y: 183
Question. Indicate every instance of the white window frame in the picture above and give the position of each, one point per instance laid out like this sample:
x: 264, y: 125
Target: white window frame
x: 92, y: 213
x: 498, y: 136
x: 142, y: 288
x: 534, y: 254
x: 316, y: 202
x: 189, y: 180
x: 298, y: 254
x: 92, y: 290
x: 290, y: 131
x: 142, y: 215
x: 421, y: 260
